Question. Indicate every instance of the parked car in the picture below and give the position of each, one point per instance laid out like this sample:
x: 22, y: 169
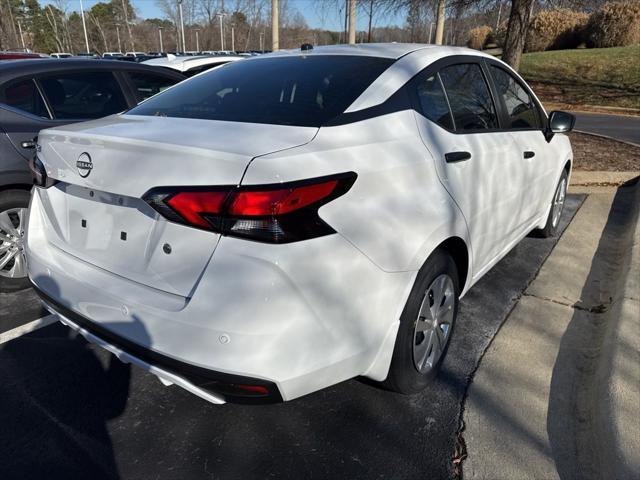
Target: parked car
x: 87, y: 55
x: 20, y: 55
x: 48, y: 93
x: 112, y: 55
x: 136, y: 54
x: 60, y: 55
x: 191, y: 66
x: 284, y: 223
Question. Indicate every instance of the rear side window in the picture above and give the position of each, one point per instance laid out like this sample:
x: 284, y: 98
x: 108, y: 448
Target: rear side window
x: 146, y: 85
x: 83, y: 95
x: 433, y: 101
x: 468, y: 93
x: 24, y: 95
x: 521, y: 109
x: 296, y: 90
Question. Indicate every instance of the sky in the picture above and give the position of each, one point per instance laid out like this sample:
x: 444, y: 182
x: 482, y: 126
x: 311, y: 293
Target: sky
x: 148, y: 9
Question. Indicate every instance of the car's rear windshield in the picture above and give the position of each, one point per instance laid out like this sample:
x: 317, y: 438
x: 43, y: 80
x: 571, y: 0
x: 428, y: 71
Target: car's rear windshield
x: 301, y: 90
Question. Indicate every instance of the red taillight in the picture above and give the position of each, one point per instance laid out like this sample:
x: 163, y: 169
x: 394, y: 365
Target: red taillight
x: 278, y: 202
x: 191, y: 205
x: 278, y: 213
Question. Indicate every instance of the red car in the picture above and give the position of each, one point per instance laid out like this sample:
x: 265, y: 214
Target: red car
x: 18, y: 55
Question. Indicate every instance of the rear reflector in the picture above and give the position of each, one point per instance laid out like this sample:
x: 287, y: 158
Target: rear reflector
x: 277, y: 213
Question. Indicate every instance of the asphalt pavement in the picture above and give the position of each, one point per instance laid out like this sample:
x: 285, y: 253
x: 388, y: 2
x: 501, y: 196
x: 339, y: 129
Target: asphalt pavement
x: 620, y: 127
x: 71, y: 410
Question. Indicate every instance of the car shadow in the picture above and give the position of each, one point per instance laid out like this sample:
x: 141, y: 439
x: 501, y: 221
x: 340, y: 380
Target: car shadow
x: 58, y: 393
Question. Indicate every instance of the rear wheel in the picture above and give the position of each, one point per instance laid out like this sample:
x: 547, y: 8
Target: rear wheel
x: 426, y: 325
x: 557, y: 206
x: 13, y: 215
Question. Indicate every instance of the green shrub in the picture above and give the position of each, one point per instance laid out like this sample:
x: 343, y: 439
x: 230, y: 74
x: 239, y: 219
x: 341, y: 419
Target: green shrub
x: 555, y: 30
x: 616, y: 24
x: 479, y: 37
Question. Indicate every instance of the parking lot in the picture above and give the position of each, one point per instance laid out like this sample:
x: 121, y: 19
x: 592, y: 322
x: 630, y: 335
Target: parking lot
x: 64, y: 398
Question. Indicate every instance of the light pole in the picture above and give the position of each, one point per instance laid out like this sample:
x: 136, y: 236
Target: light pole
x: 352, y: 21
x: 118, y: 35
x: 275, y: 22
x: 430, y: 30
x: 233, y: 37
x: 184, y: 48
x: 160, y: 35
x: 220, y: 15
x: 262, y: 41
x: 197, y: 41
x: 84, y: 27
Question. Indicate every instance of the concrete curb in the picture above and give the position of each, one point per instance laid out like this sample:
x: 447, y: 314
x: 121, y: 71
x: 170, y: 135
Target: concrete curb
x: 588, y: 178
x: 621, y: 374
x: 606, y: 137
x: 556, y: 393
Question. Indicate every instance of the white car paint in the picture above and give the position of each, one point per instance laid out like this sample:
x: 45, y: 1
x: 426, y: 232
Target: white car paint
x: 303, y: 315
x: 185, y: 64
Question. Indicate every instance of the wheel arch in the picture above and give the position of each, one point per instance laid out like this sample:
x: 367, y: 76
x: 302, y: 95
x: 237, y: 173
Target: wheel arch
x: 457, y: 249
x: 567, y: 166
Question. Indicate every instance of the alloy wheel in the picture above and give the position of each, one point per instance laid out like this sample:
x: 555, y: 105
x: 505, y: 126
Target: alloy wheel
x: 13, y: 262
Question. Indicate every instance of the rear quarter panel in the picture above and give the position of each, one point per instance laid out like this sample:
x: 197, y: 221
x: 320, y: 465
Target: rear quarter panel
x: 397, y: 211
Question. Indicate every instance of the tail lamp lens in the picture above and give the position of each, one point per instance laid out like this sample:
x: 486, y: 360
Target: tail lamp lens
x: 279, y: 213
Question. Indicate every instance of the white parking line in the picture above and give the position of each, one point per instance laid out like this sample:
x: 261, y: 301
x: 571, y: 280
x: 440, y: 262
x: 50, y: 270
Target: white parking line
x: 27, y: 328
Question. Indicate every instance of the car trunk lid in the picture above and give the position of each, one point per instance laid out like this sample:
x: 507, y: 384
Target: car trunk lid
x: 96, y: 212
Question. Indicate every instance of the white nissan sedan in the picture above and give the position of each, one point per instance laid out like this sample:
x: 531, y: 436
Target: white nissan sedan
x: 265, y: 230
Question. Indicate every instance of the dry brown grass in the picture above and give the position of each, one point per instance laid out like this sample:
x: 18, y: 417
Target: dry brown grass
x: 555, y: 30
x: 593, y: 153
x: 616, y: 24
x: 479, y: 37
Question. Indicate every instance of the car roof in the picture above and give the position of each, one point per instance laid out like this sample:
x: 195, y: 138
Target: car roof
x: 382, y: 50
x: 10, y: 69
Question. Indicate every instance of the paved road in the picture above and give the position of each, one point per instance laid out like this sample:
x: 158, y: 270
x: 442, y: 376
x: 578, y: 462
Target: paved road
x: 620, y: 127
x: 70, y: 410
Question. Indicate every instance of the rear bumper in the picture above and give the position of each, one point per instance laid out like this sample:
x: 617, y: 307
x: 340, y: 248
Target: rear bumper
x: 302, y: 316
x: 215, y: 387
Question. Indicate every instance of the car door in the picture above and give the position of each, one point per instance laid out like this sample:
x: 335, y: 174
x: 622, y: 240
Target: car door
x: 477, y: 162
x: 23, y: 113
x: 31, y: 104
x: 525, y: 120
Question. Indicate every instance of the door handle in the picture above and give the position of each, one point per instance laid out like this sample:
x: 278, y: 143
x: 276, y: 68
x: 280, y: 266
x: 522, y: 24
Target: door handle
x: 529, y: 154
x: 28, y: 144
x: 454, y: 157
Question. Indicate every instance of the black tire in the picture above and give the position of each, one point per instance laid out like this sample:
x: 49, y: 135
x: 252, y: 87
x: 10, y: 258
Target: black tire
x: 551, y: 229
x: 404, y: 376
x: 13, y: 199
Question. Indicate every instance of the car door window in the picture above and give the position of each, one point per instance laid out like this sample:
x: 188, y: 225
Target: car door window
x: 433, y: 101
x: 146, y: 85
x: 521, y: 109
x: 24, y: 95
x: 83, y: 95
x: 469, y: 97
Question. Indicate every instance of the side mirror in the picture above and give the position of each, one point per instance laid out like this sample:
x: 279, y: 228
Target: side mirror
x: 560, y: 122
